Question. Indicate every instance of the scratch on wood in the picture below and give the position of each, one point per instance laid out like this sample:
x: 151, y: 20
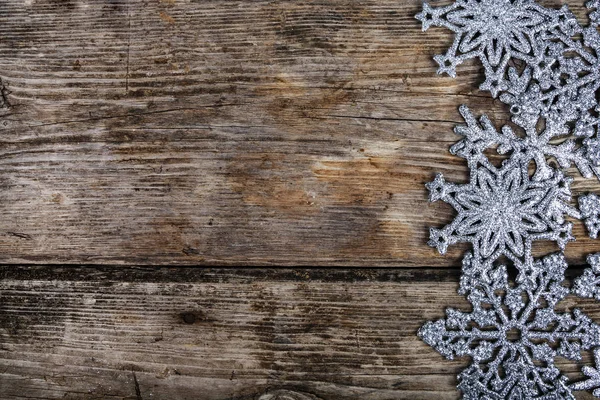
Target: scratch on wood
x: 138, y: 392
x: 128, y: 48
x: 20, y: 235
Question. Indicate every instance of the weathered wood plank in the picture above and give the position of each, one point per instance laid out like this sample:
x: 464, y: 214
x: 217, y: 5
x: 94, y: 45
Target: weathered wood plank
x: 190, y: 333
x: 226, y: 132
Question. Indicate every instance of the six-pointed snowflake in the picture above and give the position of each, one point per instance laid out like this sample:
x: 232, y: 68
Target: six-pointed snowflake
x: 501, y: 211
x: 513, y: 334
x: 495, y: 31
x: 532, y: 144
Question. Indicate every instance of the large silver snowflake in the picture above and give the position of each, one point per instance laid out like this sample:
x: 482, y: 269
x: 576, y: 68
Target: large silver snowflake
x: 501, y: 211
x: 494, y: 31
x: 513, y: 334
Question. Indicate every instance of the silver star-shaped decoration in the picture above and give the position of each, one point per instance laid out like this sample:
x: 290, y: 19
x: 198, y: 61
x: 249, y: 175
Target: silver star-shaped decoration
x: 501, y: 211
x: 513, y: 334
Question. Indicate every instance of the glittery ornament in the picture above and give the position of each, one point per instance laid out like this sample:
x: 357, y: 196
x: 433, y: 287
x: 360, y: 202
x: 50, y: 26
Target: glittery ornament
x: 532, y: 144
x: 501, y: 211
x: 494, y: 31
x: 513, y: 334
x: 545, y: 67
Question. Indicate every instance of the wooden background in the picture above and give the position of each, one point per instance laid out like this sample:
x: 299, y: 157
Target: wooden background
x: 139, y: 135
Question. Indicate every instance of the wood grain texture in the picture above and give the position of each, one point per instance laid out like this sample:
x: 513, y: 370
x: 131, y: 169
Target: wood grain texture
x: 199, y: 334
x: 227, y: 132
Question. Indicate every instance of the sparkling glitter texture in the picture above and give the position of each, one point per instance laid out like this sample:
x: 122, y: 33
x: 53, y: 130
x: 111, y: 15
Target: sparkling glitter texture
x: 590, y: 212
x: 593, y: 374
x: 502, y: 211
x: 588, y: 284
x: 512, y: 328
x: 545, y: 67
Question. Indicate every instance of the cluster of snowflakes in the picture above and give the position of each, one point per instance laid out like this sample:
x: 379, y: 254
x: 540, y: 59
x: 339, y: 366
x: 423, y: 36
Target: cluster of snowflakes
x: 545, y: 66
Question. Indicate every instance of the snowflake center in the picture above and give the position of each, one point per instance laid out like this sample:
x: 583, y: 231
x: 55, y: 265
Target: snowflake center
x: 497, y: 17
x: 514, y: 334
x: 500, y: 208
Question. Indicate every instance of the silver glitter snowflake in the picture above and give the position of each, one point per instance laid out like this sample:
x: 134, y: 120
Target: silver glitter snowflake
x: 501, y: 211
x: 545, y: 67
x: 531, y: 144
x: 494, y: 31
x: 588, y: 284
x: 514, y: 334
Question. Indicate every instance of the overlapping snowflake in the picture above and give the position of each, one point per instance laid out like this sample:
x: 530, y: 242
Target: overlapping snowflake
x: 512, y: 328
x: 545, y: 66
x: 501, y: 211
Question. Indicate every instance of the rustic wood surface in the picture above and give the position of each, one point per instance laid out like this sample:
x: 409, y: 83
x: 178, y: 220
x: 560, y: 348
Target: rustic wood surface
x: 228, y: 132
x: 219, y: 132
x: 199, y: 334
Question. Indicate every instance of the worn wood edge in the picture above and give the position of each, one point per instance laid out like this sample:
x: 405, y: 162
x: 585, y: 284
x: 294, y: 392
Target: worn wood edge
x: 201, y: 273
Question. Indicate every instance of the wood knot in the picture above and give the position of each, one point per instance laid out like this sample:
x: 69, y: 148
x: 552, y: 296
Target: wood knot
x: 282, y: 394
x: 191, y: 317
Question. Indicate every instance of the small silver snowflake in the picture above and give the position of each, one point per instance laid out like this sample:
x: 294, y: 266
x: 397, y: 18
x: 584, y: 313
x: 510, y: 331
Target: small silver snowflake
x: 514, y: 334
x: 494, y: 31
x: 501, y: 211
x: 562, y: 81
x: 588, y: 284
x: 589, y: 206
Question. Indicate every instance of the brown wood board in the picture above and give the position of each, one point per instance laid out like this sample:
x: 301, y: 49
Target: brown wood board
x: 223, y: 132
x: 212, y: 133
x: 213, y: 334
